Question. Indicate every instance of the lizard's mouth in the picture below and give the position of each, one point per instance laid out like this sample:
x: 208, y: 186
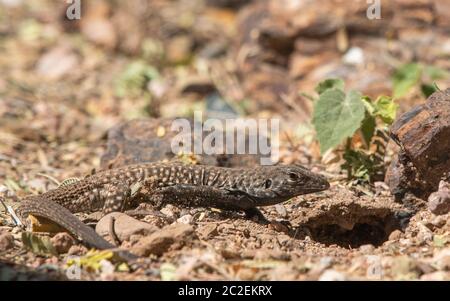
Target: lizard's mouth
x: 317, y: 188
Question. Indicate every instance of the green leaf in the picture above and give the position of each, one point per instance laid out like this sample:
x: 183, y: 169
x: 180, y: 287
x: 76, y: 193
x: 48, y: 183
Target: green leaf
x: 39, y: 245
x: 406, y: 77
x: 368, y: 128
x: 328, y: 84
x: 337, y: 116
x: 134, y: 78
x: 368, y: 102
x: 428, y: 89
x: 386, y: 109
x: 436, y: 73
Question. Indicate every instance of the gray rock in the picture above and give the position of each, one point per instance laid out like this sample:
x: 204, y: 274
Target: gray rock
x: 439, y: 201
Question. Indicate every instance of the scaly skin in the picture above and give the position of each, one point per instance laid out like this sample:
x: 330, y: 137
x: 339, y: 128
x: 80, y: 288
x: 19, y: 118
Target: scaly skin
x: 184, y: 185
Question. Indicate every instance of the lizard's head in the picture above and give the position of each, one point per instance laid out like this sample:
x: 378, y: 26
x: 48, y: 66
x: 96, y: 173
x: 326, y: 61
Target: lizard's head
x: 280, y: 183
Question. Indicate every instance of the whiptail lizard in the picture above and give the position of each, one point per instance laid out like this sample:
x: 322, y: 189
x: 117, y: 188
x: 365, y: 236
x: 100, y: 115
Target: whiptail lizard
x: 187, y: 185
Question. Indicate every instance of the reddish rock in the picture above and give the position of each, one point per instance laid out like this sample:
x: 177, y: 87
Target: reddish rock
x: 159, y: 242
x: 423, y: 133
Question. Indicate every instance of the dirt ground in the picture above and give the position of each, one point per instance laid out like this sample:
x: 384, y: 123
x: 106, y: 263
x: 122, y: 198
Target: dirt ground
x: 64, y: 84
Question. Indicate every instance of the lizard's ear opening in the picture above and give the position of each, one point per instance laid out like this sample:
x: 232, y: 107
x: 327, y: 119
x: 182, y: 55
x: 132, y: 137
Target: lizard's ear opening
x: 268, y: 183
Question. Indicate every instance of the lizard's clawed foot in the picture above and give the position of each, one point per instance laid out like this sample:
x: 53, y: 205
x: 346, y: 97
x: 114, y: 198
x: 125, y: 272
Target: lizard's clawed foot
x: 256, y: 215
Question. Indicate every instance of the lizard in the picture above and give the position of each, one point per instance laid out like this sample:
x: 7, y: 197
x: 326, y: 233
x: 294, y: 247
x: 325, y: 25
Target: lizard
x: 117, y: 189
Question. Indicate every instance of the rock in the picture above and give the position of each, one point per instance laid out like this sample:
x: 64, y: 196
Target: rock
x: 283, y: 239
x: 62, y: 242
x: 404, y: 268
x: 332, y: 275
x: 367, y: 249
x: 207, y: 231
x: 6, y: 241
x: 159, y: 242
x: 57, y: 62
x: 354, y: 56
x: 170, y: 211
x: 424, y: 234
x: 185, y: 219
x: 149, y: 140
x: 268, y: 254
x: 424, y: 154
x: 442, y: 260
x: 278, y: 226
x: 281, y: 210
x: 77, y: 250
x: 97, y: 27
x: 436, y: 276
x: 395, y: 235
x: 230, y: 254
x: 439, y: 221
x: 439, y: 201
x: 124, y: 226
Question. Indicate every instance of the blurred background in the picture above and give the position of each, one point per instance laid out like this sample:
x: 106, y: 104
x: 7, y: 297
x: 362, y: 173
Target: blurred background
x: 64, y: 82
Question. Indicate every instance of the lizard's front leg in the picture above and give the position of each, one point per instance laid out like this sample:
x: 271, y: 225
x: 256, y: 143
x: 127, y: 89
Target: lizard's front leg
x: 117, y: 196
x: 206, y: 196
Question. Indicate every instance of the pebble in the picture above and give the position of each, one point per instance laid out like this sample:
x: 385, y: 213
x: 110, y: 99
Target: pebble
x: 279, y: 227
x: 436, y: 276
x: 439, y: 201
x: 332, y: 275
x: 424, y: 234
x: 442, y: 260
x: 62, y: 242
x: 281, y: 210
x: 283, y: 239
x: 185, y: 219
x: 169, y: 210
x: 439, y: 221
x: 6, y: 241
x: 367, y: 249
x: 159, y: 242
x: 395, y: 235
x: 354, y: 56
x: 77, y: 250
x: 124, y: 226
x: 207, y: 231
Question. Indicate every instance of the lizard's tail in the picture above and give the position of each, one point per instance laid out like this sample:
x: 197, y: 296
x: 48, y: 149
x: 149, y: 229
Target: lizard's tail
x: 63, y: 217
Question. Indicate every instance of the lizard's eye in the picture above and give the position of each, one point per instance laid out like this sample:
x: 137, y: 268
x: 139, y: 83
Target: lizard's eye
x: 268, y: 183
x: 293, y: 176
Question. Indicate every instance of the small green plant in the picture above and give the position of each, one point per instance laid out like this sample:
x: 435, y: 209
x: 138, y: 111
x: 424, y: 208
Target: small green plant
x: 410, y: 75
x: 133, y: 80
x: 339, y: 115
